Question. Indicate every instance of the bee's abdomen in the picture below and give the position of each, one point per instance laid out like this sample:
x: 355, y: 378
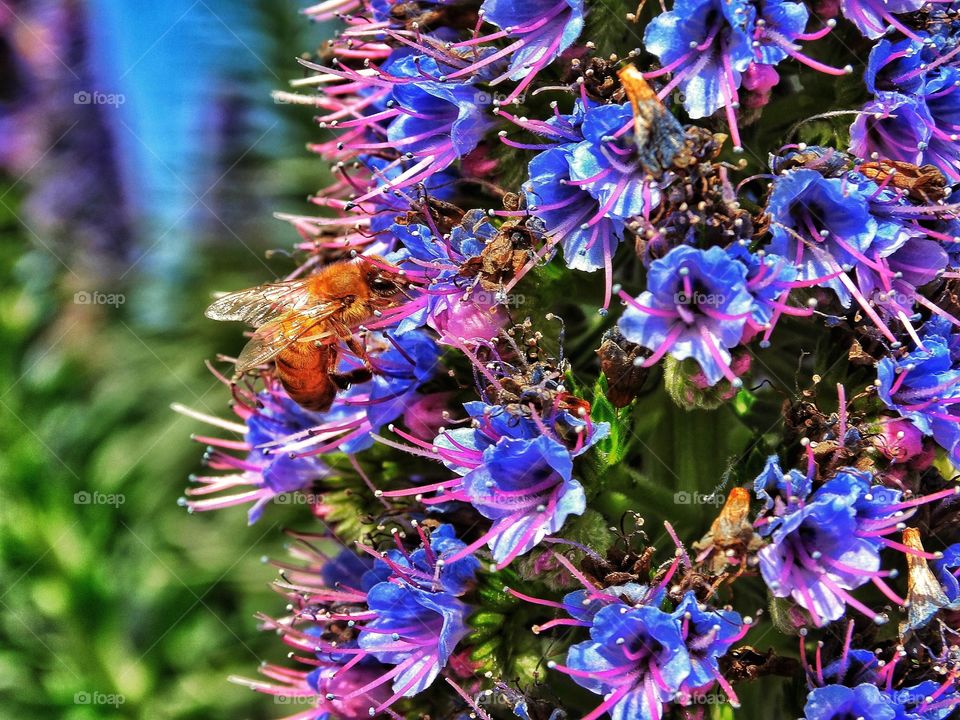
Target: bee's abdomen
x: 304, y: 371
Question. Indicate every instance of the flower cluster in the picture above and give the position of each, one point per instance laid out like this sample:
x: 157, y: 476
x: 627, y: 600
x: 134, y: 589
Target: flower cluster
x: 776, y: 388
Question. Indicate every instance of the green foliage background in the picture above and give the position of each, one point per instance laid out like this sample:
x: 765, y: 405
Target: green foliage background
x: 139, y: 599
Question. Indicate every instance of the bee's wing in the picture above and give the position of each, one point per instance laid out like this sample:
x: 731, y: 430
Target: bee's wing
x: 259, y: 305
x: 314, y: 324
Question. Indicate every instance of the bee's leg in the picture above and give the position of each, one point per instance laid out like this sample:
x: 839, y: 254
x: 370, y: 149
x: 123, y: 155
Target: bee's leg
x: 360, y: 350
x: 345, y: 380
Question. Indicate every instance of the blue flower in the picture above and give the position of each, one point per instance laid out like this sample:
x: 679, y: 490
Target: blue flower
x: 817, y: 553
x: 946, y: 570
x: 894, y: 126
x: 836, y: 702
x: 696, y: 305
x: 895, y: 66
x: 414, y: 629
x: 420, y: 568
x: 822, y: 225
x: 770, y: 278
x: 707, y: 634
x: 778, y: 491
x: 442, y: 121
x: 872, y: 17
x: 635, y: 658
x: 570, y: 213
x: 526, y: 488
x: 923, y: 386
x: 707, y: 43
x: 448, y: 304
x: 287, y: 443
x: 607, y: 167
x: 543, y: 29
x: 779, y: 25
x: 924, y: 701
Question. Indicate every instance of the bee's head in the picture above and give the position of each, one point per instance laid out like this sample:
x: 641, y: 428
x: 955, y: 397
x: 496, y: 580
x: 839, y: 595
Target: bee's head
x: 383, y: 280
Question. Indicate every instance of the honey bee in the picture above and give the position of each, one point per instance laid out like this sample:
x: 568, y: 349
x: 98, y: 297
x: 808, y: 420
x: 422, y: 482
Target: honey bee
x: 300, y: 324
x: 658, y: 135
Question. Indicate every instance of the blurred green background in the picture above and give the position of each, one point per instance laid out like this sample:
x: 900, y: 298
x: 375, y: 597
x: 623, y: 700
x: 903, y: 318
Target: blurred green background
x: 141, y: 158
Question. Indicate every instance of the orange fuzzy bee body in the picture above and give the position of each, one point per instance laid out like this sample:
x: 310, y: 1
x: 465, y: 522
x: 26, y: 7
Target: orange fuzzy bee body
x: 300, y: 324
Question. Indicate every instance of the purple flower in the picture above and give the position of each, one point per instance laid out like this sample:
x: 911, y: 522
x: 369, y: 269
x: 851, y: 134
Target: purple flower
x: 696, y: 305
x: 635, y: 658
x: 924, y: 387
x: 836, y: 702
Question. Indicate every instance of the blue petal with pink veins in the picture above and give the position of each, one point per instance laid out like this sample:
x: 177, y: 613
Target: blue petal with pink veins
x: 545, y: 43
x: 804, y: 203
x: 569, y: 208
x: 669, y: 36
x: 837, y: 701
x: 438, y: 619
